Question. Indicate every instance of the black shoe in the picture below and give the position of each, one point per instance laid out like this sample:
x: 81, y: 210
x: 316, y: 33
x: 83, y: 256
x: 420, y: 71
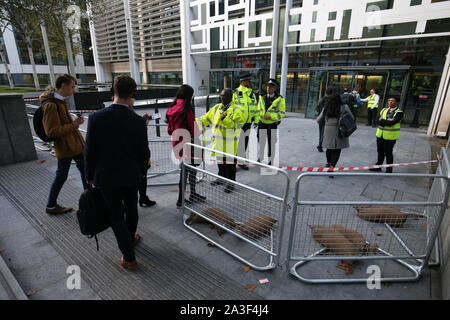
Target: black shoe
x: 186, y: 201
x: 217, y: 182
x: 229, y: 189
x: 388, y: 170
x: 146, y: 202
x: 375, y: 169
x: 319, y: 148
x: 195, y: 197
x: 368, y: 124
x: 243, y: 167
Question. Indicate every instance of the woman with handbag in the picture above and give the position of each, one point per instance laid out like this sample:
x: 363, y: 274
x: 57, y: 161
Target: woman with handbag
x: 332, y: 140
x: 180, y: 115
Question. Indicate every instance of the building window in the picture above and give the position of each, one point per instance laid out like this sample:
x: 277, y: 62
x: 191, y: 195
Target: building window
x: 314, y: 16
x: 316, y: 2
x: 332, y: 15
x: 330, y: 33
x: 416, y: 3
x: 313, y: 35
x: 379, y: 5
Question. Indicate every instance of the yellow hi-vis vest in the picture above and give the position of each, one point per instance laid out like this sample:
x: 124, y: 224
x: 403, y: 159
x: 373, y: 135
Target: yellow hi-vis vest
x: 276, y: 111
x: 247, y: 100
x: 389, y: 132
x: 371, y: 101
x: 226, y: 132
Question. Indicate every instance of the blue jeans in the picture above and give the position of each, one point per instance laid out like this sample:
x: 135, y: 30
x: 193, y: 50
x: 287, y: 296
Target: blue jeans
x: 61, y: 176
x: 321, y: 127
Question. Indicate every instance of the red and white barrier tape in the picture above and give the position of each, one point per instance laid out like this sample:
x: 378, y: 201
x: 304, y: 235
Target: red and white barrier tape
x: 338, y: 169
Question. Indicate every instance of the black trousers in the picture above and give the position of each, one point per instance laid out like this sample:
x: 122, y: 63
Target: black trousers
x: 192, y: 175
x: 372, y: 116
x: 123, y: 216
x: 227, y: 169
x: 143, y: 186
x: 333, y: 156
x: 385, y: 149
x: 243, y: 140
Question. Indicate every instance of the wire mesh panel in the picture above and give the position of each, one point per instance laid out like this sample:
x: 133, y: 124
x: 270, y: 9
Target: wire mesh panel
x: 355, y: 231
x: 244, y: 221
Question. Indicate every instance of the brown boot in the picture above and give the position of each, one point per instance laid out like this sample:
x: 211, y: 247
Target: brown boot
x: 57, y: 210
x: 128, y: 265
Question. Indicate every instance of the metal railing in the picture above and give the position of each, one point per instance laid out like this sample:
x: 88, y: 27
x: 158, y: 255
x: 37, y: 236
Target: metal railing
x: 254, y: 219
x: 356, y: 231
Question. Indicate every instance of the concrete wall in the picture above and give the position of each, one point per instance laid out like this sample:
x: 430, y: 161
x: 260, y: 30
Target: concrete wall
x: 16, y: 142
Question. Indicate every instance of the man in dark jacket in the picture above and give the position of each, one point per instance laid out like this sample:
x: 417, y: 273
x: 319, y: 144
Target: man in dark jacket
x: 116, y: 158
x: 319, y: 108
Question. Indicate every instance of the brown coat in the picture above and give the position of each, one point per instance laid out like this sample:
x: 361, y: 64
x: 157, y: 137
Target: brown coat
x: 58, y: 124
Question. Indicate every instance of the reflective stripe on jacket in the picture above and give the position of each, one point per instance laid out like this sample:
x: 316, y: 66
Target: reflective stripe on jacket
x: 389, y: 132
x: 226, y: 132
x: 277, y: 110
x: 247, y: 100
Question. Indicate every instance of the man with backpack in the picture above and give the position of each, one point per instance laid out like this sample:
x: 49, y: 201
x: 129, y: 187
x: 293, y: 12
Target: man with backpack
x: 63, y: 130
x: 117, y: 158
x: 352, y: 100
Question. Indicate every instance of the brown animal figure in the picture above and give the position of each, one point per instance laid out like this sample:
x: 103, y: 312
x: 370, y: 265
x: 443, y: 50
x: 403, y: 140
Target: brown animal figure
x: 221, y: 217
x: 392, y: 216
x: 357, y: 239
x: 257, y: 227
x: 195, y: 218
x: 342, y: 241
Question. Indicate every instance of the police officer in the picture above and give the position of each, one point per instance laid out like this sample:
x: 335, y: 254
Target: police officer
x: 272, y: 108
x: 226, y: 120
x: 245, y: 99
x: 372, y: 107
x: 388, y: 132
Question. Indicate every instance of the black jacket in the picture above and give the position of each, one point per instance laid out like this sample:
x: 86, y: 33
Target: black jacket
x: 116, y: 152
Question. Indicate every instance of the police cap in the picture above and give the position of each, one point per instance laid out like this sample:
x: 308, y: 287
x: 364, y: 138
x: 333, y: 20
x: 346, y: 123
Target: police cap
x: 245, y: 76
x: 273, y: 82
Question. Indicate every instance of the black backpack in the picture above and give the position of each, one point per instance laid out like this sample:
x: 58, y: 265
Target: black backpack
x: 92, y: 213
x: 37, y: 122
x: 347, y: 123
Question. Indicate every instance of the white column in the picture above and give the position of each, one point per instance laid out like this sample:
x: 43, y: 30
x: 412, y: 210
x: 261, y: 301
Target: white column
x: 275, y: 28
x: 134, y: 65
x: 48, y: 54
x: 71, y: 64
x: 284, y: 64
x: 99, y: 70
x: 438, y: 109
x: 188, y: 65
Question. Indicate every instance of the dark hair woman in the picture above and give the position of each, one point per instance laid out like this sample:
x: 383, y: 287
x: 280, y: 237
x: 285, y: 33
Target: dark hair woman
x: 181, y: 115
x: 332, y: 141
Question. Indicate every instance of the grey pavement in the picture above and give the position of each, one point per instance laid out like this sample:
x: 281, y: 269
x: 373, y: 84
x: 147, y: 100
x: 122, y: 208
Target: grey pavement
x: 38, y: 250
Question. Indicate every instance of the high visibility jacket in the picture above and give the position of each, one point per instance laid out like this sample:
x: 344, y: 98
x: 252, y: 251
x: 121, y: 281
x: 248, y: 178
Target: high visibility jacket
x: 247, y: 100
x: 276, y: 111
x: 371, y: 101
x: 389, y: 132
x: 226, y: 132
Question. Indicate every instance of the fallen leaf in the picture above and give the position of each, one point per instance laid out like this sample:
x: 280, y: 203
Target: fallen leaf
x: 251, y: 287
x: 348, y: 269
x: 42, y: 161
x: 210, y: 244
x: 246, y: 268
x: 424, y: 225
x: 72, y: 179
x: 378, y: 233
x: 2, y: 250
x: 29, y: 293
x: 175, y: 190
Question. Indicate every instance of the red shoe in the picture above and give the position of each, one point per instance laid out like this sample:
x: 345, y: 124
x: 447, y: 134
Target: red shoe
x: 136, y: 240
x: 128, y: 265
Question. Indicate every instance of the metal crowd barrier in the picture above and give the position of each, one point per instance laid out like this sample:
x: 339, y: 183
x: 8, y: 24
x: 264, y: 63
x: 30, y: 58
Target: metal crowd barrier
x: 252, y: 218
x: 362, y: 231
